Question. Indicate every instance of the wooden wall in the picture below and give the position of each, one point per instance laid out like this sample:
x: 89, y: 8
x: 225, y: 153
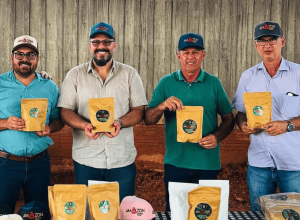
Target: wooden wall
x: 147, y: 32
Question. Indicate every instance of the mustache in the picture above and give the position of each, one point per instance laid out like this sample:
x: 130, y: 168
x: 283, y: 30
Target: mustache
x: 101, y: 50
x: 22, y: 62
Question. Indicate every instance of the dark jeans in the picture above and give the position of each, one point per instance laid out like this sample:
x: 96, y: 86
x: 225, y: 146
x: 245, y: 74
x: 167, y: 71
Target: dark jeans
x: 125, y: 176
x: 33, y: 178
x: 183, y: 175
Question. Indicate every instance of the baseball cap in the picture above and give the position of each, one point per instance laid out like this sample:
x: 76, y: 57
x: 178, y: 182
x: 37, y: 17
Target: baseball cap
x: 267, y: 28
x: 35, y: 211
x: 26, y: 41
x: 102, y: 28
x: 133, y: 207
x: 11, y: 217
x: 190, y: 40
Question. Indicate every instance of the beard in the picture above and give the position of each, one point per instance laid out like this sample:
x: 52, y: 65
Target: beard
x: 24, y: 71
x: 102, y: 61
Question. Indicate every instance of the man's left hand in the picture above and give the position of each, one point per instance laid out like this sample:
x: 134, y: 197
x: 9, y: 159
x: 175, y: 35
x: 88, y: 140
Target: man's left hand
x: 208, y: 142
x: 275, y: 127
x: 45, y: 75
x: 45, y: 132
x: 117, y: 126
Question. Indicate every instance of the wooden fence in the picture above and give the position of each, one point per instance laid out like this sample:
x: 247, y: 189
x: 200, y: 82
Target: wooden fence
x: 147, y: 32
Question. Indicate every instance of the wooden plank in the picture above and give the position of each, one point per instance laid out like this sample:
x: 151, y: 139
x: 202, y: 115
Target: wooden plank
x: 290, y: 34
x: 193, y: 16
x: 136, y: 33
x: 70, y: 41
x: 168, y: 37
x: 250, y: 31
x: 129, y: 32
x: 297, y: 35
x: 22, y: 17
x: 284, y: 24
x: 216, y: 37
x: 7, y: 13
x: 38, y: 29
x: 201, y: 27
x: 176, y: 33
x: 159, y: 41
x: 54, y: 40
x: 102, y: 11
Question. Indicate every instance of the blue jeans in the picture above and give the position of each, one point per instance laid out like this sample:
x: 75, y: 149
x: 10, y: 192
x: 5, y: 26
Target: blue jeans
x: 183, y: 175
x: 264, y: 181
x: 33, y: 178
x: 125, y: 176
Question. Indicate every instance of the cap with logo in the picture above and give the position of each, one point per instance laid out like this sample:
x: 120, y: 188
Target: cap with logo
x: 190, y: 40
x: 133, y: 207
x: 102, y: 28
x: 267, y: 28
x: 11, y: 217
x: 26, y: 41
x: 35, y: 210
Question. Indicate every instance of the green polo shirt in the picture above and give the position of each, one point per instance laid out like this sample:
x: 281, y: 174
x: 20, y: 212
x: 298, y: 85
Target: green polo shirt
x: 206, y: 91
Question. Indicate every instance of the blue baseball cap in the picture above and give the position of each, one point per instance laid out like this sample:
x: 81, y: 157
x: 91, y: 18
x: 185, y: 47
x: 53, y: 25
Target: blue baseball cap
x: 102, y: 28
x: 190, y: 40
x: 267, y: 28
x: 35, y: 210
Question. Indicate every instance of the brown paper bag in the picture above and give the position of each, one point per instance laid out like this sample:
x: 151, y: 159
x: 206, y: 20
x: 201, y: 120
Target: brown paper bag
x: 258, y: 107
x: 104, y: 201
x: 102, y: 114
x: 189, y: 124
x: 34, y: 112
x: 70, y: 202
x: 204, y: 203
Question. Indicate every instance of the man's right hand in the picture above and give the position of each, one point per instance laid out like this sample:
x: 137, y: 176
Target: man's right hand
x: 88, y: 131
x: 15, y: 123
x: 172, y: 104
x: 247, y: 130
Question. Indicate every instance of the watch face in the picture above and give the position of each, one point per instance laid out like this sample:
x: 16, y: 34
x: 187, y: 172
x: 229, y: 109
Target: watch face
x: 290, y: 128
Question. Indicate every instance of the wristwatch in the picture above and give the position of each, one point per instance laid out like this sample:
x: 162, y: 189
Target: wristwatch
x: 290, y: 127
x: 121, y: 123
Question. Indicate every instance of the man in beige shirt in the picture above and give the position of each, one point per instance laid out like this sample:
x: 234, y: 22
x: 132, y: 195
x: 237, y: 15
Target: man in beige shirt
x: 103, y: 156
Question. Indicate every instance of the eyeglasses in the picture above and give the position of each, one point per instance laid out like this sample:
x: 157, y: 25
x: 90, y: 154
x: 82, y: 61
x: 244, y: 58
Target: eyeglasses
x: 29, y: 56
x: 106, y: 43
x: 271, y: 41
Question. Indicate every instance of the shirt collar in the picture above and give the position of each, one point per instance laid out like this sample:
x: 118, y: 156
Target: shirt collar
x: 199, y: 78
x: 283, y: 66
x: 90, y: 67
x: 12, y: 76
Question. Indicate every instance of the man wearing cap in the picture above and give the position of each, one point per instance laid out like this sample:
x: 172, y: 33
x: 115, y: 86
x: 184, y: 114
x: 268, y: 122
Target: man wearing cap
x: 191, y: 86
x: 103, y: 156
x: 274, y: 150
x: 24, y: 160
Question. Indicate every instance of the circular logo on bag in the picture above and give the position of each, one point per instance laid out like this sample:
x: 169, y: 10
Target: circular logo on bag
x: 258, y: 110
x: 104, y: 206
x: 202, y: 211
x: 34, y: 112
x: 102, y: 115
x: 290, y: 214
x: 70, y: 208
x: 189, y: 126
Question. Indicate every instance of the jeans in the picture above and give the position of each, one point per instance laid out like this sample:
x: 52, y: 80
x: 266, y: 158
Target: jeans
x: 33, y: 178
x: 125, y: 176
x: 264, y: 181
x: 183, y: 175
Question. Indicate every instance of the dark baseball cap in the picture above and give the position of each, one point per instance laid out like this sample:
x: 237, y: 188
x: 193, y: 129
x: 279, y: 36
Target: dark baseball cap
x: 190, y: 40
x: 102, y: 28
x: 267, y: 28
x: 35, y: 210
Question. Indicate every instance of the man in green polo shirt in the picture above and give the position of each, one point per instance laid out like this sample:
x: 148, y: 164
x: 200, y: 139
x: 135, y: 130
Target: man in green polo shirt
x: 191, y: 86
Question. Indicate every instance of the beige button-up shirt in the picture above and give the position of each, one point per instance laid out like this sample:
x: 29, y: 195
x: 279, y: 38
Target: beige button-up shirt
x: 125, y: 85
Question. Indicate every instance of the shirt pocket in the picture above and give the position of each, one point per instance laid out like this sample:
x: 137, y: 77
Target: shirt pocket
x: 290, y: 107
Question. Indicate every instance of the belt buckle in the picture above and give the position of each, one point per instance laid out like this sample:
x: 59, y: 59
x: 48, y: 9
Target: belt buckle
x: 29, y: 159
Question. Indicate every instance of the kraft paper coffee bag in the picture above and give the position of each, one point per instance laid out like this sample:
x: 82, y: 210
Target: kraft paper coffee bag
x: 34, y: 112
x: 204, y: 203
x: 258, y: 107
x: 102, y: 114
x: 189, y: 124
x: 70, y: 202
x: 279, y: 212
x: 104, y: 201
x: 51, y: 201
x: 224, y: 185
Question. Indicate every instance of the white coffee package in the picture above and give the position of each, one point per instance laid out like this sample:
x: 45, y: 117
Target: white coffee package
x: 178, y: 197
x: 224, y: 185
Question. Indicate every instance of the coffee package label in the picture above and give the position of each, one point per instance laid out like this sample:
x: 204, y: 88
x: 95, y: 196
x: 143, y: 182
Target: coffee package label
x: 279, y: 212
x: 70, y: 202
x: 102, y: 114
x: 104, y: 201
x: 34, y: 113
x: 258, y: 107
x: 204, y: 203
x: 189, y: 124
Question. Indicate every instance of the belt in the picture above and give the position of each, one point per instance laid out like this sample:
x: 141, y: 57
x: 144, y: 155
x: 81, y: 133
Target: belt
x: 23, y: 159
